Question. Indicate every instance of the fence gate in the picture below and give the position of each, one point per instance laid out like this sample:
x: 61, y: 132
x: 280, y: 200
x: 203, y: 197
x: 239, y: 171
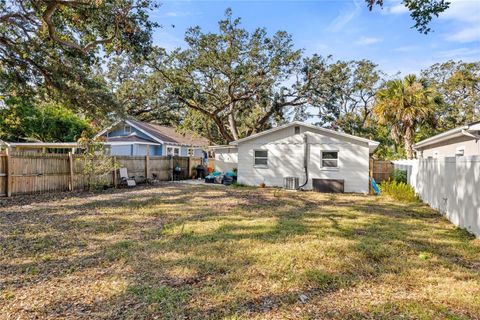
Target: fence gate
x: 381, y: 170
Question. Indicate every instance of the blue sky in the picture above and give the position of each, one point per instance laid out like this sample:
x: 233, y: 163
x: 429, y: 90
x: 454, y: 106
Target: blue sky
x: 343, y: 28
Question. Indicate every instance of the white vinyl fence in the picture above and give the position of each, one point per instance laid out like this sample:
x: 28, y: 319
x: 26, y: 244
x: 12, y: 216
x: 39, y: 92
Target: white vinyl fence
x: 450, y: 185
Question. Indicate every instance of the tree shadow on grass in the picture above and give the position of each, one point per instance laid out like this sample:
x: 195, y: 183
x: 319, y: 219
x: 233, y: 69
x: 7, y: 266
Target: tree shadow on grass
x: 182, y: 273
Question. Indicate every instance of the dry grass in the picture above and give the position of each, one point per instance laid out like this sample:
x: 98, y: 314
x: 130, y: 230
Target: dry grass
x: 197, y: 252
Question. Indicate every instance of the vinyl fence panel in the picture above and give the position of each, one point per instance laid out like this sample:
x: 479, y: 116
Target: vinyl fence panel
x: 450, y: 185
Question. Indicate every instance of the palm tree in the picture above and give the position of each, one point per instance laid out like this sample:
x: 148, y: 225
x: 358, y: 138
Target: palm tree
x: 403, y: 105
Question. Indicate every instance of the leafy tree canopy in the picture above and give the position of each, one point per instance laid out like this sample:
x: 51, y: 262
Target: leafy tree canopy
x: 20, y: 120
x: 421, y: 11
x: 403, y: 105
x: 459, y: 85
x: 53, y: 47
x: 237, y: 80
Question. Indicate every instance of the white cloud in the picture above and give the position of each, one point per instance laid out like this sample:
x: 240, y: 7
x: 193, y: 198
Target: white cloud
x: 344, y: 17
x: 394, y: 7
x: 465, y: 15
x: 460, y: 53
x: 469, y: 34
x: 397, y: 9
x: 463, y: 10
x: 366, y: 41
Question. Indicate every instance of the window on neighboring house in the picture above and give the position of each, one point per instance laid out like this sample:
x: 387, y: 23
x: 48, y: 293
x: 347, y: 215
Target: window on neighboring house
x: 127, y: 129
x: 191, y: 152
x: 329, y: 159
x: 173, y: 151
x: 260, y: 157
x: 460, y: 151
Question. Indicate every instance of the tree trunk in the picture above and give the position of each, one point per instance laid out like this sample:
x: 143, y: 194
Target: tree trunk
x: 222, y: 129
x: 233, y: 126
x: 408, y: 139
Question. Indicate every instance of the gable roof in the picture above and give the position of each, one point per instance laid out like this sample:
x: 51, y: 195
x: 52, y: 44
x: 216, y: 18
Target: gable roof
x: 130, y: 138
x: 467, y: 130
x: 372, y: 144
x: 161, y: 134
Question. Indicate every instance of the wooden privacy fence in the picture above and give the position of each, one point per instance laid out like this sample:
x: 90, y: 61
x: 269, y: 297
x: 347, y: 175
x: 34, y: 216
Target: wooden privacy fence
x: 35, y: 173
x: 381, y: 170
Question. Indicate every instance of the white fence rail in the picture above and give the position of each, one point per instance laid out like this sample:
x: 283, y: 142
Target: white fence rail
x: 450, y: 185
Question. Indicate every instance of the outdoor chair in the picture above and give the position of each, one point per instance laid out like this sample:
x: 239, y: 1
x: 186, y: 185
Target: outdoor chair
x: 125, y: 179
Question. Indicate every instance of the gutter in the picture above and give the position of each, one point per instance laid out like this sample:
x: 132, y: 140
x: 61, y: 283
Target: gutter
x: 453, y: 133
x: 471, y: 135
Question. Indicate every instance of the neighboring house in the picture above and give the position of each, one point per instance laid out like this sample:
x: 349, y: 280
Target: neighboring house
x: 135, y: 138
x: 270, y: 156
x: 461, y: 141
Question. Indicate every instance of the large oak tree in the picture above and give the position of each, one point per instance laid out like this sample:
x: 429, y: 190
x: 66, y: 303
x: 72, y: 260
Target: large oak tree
x: 235, y: 79
x: 55, y: 46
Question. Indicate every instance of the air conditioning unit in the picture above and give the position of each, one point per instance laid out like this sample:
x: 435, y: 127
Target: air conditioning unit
x: 291, y: 183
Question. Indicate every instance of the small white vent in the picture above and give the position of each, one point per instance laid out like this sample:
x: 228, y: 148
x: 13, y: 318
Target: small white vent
x: 291, y: 183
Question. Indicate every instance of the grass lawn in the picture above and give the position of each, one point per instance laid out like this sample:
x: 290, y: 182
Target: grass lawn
x: 197, y: 252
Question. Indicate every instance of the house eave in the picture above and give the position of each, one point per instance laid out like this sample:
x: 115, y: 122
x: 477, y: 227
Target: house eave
x: 465, y: 130
x: 371, y: 143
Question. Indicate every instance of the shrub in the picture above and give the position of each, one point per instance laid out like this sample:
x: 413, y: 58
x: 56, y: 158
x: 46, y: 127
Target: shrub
x: 399, y: 191
x: 400, y: 176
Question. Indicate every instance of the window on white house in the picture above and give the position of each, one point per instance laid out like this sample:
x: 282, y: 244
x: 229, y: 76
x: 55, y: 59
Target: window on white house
x: 297, y: 129
x: 173, y: 151
x: 127, y: 129
x: 260, y: 157
x: 329, y: 159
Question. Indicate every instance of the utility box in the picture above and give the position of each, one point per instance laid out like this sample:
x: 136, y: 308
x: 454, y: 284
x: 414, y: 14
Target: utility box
x: 328, y: 185
x: 291, y: 183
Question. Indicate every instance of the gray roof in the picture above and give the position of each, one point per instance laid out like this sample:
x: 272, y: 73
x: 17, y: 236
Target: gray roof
x: 169, y: 134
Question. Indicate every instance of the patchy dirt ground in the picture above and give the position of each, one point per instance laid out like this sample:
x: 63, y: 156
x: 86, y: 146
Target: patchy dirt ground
x: 197, y: 252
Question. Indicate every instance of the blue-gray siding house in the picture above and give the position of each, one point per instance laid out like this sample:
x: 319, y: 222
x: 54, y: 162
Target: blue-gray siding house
x: 136, y: 138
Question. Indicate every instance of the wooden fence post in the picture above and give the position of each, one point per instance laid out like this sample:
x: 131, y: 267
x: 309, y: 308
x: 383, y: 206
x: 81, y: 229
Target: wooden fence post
x: 147, y: 163
x: 70, y: 164
x: 171, y: 168
x: 9, y: 173
x: 114, y: 173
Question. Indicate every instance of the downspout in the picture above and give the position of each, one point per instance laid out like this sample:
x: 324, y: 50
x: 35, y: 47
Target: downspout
x: 305, y: 160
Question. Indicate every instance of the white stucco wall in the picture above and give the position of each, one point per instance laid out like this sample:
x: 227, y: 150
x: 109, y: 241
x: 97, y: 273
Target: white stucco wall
x: 286, y: 153
x: 226, y: 159
x: 449, y: 147
x: 450, y: 185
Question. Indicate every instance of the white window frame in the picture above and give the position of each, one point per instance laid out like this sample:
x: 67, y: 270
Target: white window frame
x: 173, y: 149
x: 191, y: 151
x: 125, y: 128
x: 337, y: 159
x: 460, y: 151
x: 255, y: 158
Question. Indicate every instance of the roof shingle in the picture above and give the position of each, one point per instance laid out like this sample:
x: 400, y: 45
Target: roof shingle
x: 169, y: 135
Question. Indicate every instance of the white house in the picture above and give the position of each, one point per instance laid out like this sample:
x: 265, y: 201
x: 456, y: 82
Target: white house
x: 460, y: 141
x: 322, y: 159
x: 132, y: 138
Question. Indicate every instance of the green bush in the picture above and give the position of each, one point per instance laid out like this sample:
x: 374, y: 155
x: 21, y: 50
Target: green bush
x: 400, y: 176
x: 399, y: 191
